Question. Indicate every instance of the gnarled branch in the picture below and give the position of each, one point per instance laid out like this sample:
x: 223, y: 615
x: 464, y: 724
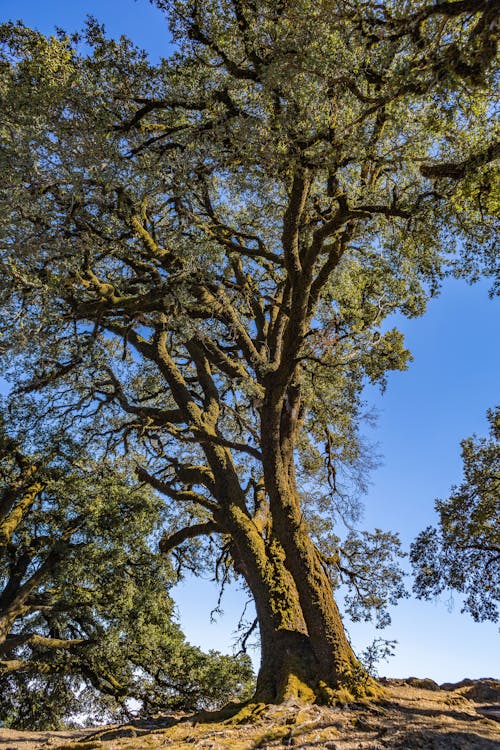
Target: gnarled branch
x: 169, y: 542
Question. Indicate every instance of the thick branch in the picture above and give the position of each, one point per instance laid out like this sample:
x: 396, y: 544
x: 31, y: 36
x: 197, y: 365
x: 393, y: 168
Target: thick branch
x: 179, y: 495
x: 292, y: 221
x: 457, y: 170
x: 170, y: 542
x: 224, y: 311
x: 224, y: 363
x: 32, y: 639
x: 158, y: 416
x: 211, y: 403
x: 13, y: 601
x: 10, y: 523
x: 334, y: 255
x: 203, y: 437
x: 33, y: 667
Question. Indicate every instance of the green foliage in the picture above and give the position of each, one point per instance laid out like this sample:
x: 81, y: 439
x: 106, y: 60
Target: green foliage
x: 193, y: 680
x: 97, y: 628
x: 38, y: 703
x: 378, y: 650
x: 201, y: 258
x: 463, y: 551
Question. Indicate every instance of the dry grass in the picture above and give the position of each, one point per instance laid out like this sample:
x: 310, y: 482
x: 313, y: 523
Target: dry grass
x: 412, y: 716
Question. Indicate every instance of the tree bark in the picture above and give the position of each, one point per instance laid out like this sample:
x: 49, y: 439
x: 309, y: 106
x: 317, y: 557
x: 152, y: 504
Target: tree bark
x: 305, y: 653
x: 288, y: 666
x: 335, y: 664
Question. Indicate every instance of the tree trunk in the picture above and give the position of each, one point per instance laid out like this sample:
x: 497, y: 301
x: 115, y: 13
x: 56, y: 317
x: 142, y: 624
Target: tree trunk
x: 295, y: 664
x: 337, y: 668
x: 288, y: 667
x: 305, y: 652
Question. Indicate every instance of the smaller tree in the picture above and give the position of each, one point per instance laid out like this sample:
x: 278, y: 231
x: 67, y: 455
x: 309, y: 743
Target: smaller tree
x: 86, y: 621
x: 463, y: 552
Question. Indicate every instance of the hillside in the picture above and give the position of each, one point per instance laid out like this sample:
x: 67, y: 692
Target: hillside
x: 416, y: 714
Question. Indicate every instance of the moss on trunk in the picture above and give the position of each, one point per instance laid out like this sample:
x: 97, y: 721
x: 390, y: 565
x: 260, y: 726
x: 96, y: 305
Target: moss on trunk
x: 336, y: 667
x: 288, y: 668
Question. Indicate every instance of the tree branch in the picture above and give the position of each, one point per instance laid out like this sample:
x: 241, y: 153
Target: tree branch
x: 179, y: 495
x: 33, y: 639
x: 292, y: 221
x: 170, y: 542
x: 457, y: 170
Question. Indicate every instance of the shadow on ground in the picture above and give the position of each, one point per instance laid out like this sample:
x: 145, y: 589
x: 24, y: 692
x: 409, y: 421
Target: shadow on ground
x: 410, y: 718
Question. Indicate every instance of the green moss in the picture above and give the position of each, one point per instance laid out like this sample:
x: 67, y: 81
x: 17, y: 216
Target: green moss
x: 185, y: 736
x: 276, y: 733
x: 350, y: 693
x: 248, y: 714
x: 296, y: 688
x: 343, y: 696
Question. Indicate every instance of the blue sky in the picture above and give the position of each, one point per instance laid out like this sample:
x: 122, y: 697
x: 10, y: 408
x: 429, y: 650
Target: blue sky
x: 423, y: 415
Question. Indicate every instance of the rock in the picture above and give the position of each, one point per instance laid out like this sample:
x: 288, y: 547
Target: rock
x: 428, y: 740
x: 423, y: 683
x: 489, y: 712
x: 480, y: 691
x: 479, y: 686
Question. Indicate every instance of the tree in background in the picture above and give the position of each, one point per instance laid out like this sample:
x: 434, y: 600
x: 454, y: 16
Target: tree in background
x: 85, y: 618
x: 463, y: 552
x: 200, y: 256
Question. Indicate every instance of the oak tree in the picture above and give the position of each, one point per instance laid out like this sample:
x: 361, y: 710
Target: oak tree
x: 200, y: 257
x: 463, y: 552
x: 86, y: 621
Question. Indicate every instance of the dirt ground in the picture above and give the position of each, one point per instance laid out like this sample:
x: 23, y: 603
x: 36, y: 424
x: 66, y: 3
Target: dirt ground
x: 415, y: 715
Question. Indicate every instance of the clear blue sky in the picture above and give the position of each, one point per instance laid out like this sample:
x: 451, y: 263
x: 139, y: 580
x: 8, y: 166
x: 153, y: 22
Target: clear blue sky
x: 422, y: 418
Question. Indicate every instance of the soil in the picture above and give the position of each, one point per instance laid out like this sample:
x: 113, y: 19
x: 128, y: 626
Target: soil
x: 414, y: 715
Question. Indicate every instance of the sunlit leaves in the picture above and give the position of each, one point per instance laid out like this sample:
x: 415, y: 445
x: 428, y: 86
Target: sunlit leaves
x: 463, y: 551
x: 189, y: 244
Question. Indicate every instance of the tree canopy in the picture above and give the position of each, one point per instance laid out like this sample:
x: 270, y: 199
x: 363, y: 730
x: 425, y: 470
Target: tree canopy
x: 201, y: 256
x: 463, y: 552
x: 86, y: 622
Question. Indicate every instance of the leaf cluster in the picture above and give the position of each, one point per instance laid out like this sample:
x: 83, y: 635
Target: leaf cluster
x: 85, y: 614
x: 463, y: 551
x: 198, y: 251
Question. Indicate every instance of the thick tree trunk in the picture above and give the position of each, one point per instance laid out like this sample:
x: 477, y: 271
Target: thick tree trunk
x: 294, y: 663
x: 288, y: 666
x: 335, y: 663
x: 305, y: 652
x: 338, y: 665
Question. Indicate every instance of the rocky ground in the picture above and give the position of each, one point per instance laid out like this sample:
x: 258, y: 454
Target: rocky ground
x: 416, y: 714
